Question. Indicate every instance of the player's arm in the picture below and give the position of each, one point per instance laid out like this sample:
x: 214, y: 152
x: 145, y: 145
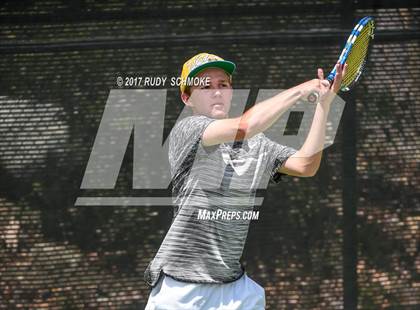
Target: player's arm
x: 305, y: 162
x: 258, y: 118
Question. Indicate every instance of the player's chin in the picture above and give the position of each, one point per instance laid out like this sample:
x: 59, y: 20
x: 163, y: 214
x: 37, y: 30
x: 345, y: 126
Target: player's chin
x: 216, y: 113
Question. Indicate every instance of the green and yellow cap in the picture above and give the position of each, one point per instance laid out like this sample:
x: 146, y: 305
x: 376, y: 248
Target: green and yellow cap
x: 202, y: 61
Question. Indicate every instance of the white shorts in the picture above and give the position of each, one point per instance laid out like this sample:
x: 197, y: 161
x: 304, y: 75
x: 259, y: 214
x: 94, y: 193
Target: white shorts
x: 242, y: 294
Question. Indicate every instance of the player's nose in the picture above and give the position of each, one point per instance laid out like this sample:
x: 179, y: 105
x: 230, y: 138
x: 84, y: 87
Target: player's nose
x: 217, y: 92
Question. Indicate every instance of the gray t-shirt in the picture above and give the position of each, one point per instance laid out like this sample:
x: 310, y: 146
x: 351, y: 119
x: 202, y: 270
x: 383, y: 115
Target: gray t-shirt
x: 219, y: 178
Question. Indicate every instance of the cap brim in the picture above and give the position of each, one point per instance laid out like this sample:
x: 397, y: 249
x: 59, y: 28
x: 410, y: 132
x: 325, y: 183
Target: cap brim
x: 227, y: 66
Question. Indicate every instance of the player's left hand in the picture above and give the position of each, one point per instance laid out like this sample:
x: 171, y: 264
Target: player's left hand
x: 340, y: 73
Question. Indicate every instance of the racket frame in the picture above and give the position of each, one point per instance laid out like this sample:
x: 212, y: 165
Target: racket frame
x: 348, y: 47
x: 314, y: 97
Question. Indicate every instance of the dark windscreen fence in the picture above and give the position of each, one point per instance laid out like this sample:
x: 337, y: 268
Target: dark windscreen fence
x: 345, y: 238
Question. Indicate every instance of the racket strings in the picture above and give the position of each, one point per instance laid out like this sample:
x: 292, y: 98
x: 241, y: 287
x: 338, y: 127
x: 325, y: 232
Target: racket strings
x: 356, y: 58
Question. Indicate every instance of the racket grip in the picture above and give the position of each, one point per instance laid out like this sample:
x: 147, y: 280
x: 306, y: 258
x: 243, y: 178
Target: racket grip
x: 313, y: 97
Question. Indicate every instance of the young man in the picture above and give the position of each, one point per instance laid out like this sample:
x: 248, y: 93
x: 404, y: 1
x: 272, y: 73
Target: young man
x: 216, y: 163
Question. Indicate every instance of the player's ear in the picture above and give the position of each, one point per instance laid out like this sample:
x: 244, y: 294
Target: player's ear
x: 184, y: 98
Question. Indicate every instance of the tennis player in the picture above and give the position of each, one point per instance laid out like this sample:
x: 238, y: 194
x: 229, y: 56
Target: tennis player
x: 216, y: 164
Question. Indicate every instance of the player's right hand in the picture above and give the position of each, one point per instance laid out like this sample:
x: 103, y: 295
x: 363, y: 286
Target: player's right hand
x: 318, y: 86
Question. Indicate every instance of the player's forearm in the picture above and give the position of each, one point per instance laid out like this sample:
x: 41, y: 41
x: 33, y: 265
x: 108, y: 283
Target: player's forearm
x: 264, y: 114
x: 257, y: 119
x: 315, y: 140
x: 305, y: 162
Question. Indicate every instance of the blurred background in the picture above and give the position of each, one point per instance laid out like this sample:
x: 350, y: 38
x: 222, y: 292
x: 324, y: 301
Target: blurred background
x: 346, y: 238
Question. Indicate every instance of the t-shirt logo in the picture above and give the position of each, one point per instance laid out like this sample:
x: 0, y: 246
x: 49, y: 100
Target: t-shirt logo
x: 238, y: 159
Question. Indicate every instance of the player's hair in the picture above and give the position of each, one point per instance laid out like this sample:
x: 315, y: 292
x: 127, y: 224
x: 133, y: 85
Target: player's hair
x: 187, y: 91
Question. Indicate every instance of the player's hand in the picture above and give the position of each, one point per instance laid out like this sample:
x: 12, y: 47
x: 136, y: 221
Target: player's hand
x: 322, y: 88
x: 324, y: 85
x: 340, y: 73
x: 318, y: 86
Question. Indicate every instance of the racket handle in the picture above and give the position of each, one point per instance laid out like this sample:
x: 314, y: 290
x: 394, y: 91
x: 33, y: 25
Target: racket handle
x: 313, y: 97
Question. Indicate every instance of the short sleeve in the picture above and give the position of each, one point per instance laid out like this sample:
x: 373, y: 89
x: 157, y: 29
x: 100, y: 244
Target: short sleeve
x: 277, y: 155
x: 185, y: 138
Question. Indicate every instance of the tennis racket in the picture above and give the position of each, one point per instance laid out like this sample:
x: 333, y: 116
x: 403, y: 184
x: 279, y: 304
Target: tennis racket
x: 355, y: 54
